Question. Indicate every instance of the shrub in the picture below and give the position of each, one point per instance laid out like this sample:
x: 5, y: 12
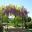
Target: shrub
x: 30, y: 26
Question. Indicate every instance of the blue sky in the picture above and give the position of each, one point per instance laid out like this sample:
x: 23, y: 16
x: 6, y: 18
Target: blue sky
x: 26, y: 3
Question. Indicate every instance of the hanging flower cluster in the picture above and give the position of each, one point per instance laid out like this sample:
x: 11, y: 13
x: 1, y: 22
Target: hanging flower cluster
x: 12, y: 10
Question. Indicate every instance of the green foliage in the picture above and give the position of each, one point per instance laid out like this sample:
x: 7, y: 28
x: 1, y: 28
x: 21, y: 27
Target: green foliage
x: 5, y: 18
x: 17, y: 21
x: 26, y: 19
x: 29, y: 19
x: 30, y: 25
x: 28, y: 22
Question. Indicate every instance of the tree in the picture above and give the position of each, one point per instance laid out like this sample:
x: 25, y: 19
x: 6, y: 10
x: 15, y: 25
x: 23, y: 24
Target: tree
x: 29, y: 19
x: 29, y: 25
x: 17, y: 12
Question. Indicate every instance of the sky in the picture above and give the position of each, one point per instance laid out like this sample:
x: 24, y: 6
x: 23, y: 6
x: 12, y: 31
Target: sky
x: 26, y: 3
